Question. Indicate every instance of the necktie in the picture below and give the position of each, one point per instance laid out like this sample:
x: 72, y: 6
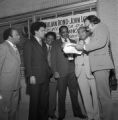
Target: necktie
x: 65, y: 39
x: 49, y: 55
x: 49, y: 49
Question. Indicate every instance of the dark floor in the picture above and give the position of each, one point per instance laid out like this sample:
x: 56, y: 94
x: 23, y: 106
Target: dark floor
x: 23, y: 114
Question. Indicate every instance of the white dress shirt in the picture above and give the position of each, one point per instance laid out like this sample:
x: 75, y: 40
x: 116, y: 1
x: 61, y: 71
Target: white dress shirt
x: 48, y: 47
x: 38, y: 40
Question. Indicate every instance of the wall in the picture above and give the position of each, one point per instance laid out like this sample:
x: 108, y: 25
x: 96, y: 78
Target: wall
x: 13, y: 7
x: 108, y: 12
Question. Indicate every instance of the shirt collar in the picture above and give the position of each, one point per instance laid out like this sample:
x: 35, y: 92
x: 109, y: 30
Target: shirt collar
x: 63, y: 39
x: 48, y: 46
x: 12, y: 45
x: 38, y: 40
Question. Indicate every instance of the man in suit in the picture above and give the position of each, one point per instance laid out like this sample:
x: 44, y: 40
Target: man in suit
x: 38, y: 72
x: 85, y: 78
x: 50, y: 37
x: 9, y: 75
x: 100, y: 62
x: 63, y: 70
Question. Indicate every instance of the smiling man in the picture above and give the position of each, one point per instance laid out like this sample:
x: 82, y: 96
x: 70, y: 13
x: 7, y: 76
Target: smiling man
x: 63, y: 70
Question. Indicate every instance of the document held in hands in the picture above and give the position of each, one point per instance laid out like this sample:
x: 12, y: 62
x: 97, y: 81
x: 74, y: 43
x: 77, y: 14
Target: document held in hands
x: 69, y: 48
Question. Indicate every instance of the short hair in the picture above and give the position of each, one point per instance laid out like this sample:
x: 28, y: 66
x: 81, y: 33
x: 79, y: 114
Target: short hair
x: 51, y: 33
x: 7, y: 33
x: 36, y: 26
x: 93, y: 19
x: 64, y: 26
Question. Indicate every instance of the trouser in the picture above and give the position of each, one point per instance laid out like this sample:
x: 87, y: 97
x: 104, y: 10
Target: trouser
x: 9, y: 105
x: 52, y: 97
x: 103, y: 89
x: 62, y: 83
x: 39, y: 99
x: 89, y: 95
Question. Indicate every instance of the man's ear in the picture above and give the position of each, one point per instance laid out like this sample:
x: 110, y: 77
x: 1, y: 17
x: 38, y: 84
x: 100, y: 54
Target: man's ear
x: 92, y: 24
x: 35, y: 32
x: 10, y: 37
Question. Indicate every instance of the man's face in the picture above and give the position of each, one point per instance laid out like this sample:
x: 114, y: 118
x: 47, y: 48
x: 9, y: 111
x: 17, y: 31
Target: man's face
x: 49, y: 39
x: 15, y: 36
x: 89, y: 25
x: 82, y: 34
x: 40, y: 33
x: 64, y: 32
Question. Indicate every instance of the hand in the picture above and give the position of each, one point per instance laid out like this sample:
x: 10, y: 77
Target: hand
x: 32, y: 80
x: 79, y: 47
x: 70, y: 57
x: 56, y: 75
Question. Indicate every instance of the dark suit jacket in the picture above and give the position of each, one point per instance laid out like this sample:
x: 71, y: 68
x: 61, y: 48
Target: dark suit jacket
x: 59, y: 60
x: 35, y: 61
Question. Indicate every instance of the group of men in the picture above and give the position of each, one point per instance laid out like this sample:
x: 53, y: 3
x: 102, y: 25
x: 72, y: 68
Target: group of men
x: 48, y: 70
x: 41, y: 64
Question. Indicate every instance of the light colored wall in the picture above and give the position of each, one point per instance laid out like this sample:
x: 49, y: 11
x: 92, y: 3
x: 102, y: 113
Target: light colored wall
x: 108, y: 12
x: 13, y: 7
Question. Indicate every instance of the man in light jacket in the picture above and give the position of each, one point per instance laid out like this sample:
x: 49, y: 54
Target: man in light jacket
x: 100, y: 62
x: 9, y: 75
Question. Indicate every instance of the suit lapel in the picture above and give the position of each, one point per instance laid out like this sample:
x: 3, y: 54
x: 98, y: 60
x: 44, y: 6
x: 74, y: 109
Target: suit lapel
x: 42, y: 48
x: 94, y: 32
x: 60, y: 42
x: 13, y: 52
